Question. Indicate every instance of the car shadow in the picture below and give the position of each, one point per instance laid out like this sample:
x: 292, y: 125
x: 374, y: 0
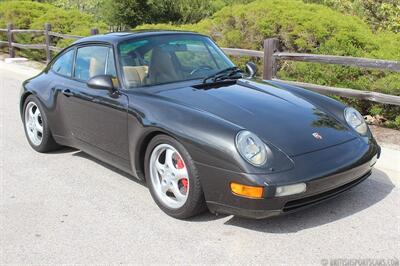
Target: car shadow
x: 63, y: 150
x: 84, y: 155
x: 204, y: 217
x: 371, y: 191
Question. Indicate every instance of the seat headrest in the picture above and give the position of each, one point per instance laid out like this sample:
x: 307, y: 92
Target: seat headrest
x: 162, y: 68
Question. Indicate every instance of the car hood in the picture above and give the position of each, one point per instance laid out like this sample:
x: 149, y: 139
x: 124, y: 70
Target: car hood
x: 276, y: 115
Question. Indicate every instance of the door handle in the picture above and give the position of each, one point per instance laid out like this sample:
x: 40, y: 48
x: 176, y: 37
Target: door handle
x: 67, y: 92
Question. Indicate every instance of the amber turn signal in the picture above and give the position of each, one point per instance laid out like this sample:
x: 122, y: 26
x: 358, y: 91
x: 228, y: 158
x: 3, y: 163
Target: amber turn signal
x: 247, y: 191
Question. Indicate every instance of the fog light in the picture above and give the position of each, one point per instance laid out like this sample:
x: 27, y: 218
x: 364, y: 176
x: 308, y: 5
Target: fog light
x: 247, y: 191
x: 290, y: 189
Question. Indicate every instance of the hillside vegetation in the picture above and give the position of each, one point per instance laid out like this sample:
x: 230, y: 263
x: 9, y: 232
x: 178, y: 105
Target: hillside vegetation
x: 322, y: 28
x: 33, y: 15
x: 310, y: 28
x: 380, y: 14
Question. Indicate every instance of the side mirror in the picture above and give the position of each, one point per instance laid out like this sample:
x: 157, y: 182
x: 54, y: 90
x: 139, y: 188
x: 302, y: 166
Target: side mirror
x: 251, y: 69
x: 101, y: 82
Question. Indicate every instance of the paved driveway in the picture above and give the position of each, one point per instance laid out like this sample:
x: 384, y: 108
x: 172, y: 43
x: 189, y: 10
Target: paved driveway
x: 67, y: 207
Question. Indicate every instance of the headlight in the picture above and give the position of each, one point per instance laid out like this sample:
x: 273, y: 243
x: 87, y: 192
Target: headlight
x: 251, y: 148
x: 355, y: 120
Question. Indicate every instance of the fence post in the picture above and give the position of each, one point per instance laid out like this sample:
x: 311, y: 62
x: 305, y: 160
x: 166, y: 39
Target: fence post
x: 10, y: 39
x: 47, y: 28
x: 269, y: 68
x: 94, y: 31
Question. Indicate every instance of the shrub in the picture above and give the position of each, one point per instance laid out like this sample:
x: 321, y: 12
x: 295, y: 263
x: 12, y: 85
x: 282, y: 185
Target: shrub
x: 308, y: 28
x: 381, y: 15
x: 136, y: 12
x: 33, y: 15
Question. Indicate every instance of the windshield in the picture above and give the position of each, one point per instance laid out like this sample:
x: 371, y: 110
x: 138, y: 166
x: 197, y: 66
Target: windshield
x: 163, y: 59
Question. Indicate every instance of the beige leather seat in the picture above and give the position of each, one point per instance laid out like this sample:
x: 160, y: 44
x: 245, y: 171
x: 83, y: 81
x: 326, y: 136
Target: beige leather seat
x: 162, y: 69
x: 135, y: 75
x: 95, y: 68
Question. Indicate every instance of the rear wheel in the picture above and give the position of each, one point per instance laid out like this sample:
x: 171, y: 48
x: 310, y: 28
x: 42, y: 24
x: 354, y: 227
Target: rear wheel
x: 172, y: 178
x: 36, y: 126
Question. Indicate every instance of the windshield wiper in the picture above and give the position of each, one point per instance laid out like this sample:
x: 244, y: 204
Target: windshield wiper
x: 223, y: 74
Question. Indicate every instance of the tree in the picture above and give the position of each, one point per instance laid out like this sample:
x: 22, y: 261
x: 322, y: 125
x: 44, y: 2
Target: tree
x: 127, y: 12
x: 132, y: 13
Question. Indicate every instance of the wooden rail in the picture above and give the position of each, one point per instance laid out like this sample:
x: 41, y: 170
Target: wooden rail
x: 29, y: 46
x: 28, y: 31
x: 346, y: 92
x: 48, y: 34
x: 270, y: 55
x: 55, y: 49
x: 243, y: 52
x: 341, y: 60
x: 64, y: 36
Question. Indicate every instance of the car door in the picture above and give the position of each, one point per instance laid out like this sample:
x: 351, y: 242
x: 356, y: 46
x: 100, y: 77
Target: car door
x: 59, y: 78
x: 96, y: 119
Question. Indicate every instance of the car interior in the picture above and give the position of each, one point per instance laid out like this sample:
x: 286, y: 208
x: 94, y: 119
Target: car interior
x: 163, y: 62
x: 161, y: 68
x: 146, y: 62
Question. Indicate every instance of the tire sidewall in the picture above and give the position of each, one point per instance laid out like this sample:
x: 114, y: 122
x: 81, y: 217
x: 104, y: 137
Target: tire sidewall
x: 46, y: 131
x: 195, y: 192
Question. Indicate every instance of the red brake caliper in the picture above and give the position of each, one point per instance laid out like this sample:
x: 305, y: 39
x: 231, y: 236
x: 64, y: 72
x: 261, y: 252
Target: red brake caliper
x: 181, y: 165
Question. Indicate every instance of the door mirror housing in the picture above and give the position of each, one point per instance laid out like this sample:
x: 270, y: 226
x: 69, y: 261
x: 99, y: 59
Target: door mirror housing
x: 251, y: 69
x: 101, y: 82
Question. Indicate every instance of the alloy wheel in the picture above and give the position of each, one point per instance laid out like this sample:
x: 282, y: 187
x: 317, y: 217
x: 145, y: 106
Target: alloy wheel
x: 33, y: 123
x: 169, y: 176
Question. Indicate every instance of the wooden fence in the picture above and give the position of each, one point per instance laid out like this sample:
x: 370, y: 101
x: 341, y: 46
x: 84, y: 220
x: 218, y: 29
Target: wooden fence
x: 270, y: 56
x: 48, y: 34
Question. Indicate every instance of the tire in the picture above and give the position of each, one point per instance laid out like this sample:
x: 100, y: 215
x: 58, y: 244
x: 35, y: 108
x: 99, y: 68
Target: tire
x: 194, y: 203
x: 43, y: 142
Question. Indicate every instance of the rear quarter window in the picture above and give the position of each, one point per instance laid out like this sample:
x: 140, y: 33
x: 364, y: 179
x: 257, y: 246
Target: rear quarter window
x: 63, y: 64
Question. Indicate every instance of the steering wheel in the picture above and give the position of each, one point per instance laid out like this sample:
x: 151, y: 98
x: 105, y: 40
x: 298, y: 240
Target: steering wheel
x: 136, y: 55
x: 197, y: 69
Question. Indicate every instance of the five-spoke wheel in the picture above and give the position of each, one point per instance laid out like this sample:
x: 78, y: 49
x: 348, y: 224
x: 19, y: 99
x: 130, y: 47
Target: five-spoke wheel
x: 36, y: 126
x: 33, y: 123
x: 172, y: 178
x: 169, y: 176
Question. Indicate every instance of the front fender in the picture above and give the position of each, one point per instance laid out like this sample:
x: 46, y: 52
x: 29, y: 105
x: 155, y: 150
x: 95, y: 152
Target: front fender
x: 209, y: 139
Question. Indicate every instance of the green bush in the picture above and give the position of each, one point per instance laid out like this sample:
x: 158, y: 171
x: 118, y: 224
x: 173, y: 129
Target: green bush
x: 33, y: 15
x: 309, y: 28
x: 299, y: 26
x: 132, y: 13
x: 381, y: 15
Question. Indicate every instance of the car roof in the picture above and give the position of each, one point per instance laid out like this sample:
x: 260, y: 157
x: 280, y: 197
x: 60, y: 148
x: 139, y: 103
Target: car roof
x: 116, y: 37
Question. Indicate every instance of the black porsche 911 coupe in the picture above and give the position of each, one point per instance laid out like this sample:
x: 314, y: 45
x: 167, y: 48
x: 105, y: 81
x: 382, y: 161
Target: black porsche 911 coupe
x: 170, y: 108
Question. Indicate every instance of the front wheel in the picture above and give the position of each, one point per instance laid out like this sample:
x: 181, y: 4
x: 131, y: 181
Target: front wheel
x: 173, y: 179
x: 36, y: 126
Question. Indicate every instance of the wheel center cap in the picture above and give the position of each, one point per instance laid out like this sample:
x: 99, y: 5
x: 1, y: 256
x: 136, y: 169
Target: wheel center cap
x: 167, y: 177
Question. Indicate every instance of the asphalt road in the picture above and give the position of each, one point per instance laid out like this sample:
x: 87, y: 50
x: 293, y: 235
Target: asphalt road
x: 67, y: 207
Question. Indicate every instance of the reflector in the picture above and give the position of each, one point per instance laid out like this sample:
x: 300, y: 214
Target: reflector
x: 247, y: 191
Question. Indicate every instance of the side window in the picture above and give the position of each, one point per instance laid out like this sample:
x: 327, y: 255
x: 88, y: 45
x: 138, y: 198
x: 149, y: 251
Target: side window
x: 111, y: 64
x: 90, y: 62
x: 63, y: 65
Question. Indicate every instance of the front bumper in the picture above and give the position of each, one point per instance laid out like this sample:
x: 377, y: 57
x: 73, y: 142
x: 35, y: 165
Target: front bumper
x: 326, y: 173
